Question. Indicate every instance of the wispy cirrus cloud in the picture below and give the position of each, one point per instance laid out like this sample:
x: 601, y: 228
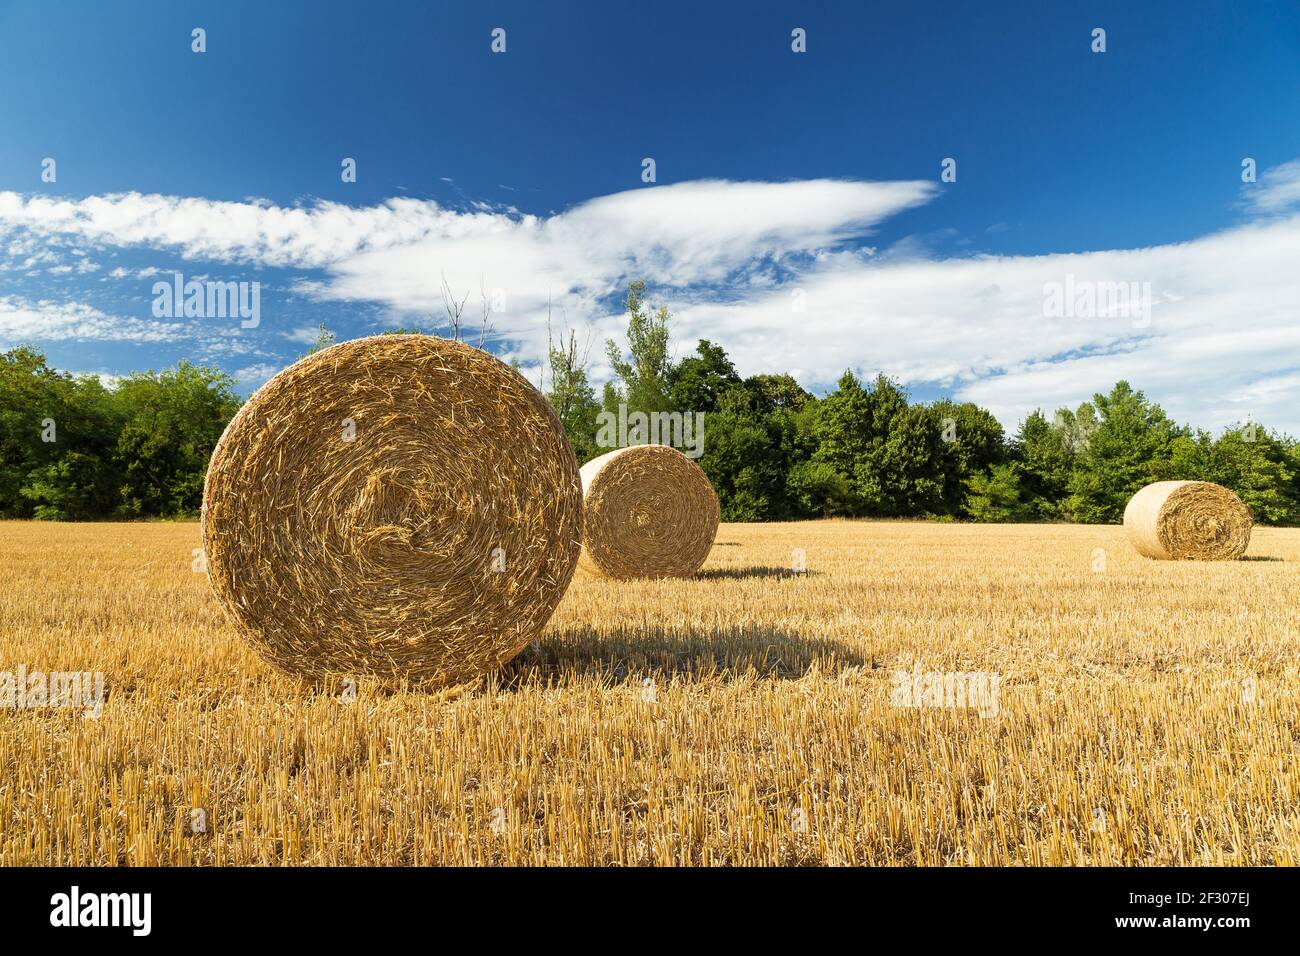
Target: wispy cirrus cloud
x: 679, y: 234
x: 1277, y: 190
x: 46, y: 321
x: 252, y: 232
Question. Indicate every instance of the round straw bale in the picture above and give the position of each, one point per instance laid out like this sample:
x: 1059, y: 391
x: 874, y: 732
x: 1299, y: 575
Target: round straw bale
x: 648, y: 512
x: 1196, y: 520
x: 401, y: 507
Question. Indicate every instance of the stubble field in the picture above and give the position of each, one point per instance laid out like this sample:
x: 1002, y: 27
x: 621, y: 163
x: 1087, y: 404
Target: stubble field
x: 1146, y: 713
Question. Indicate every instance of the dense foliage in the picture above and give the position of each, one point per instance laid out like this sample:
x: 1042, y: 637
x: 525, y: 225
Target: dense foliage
x: 773, y: 451
x: 72, y: 449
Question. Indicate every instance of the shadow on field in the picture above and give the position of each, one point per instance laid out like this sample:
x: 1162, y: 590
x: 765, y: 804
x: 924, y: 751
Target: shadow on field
x: 1258, y: 557
x: 717, y: 574
x: 689, y: 655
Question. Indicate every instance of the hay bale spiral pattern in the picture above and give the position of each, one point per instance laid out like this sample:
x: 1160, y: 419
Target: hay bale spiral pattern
x: 430, y: 547
x: 648, y: 512
x: 1196, y: 520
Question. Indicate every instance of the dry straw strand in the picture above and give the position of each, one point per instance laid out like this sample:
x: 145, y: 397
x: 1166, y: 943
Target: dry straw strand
x: 1194, y: 520
x: 429, y: 546
x: 648, y: 512
x: 1169, y: 701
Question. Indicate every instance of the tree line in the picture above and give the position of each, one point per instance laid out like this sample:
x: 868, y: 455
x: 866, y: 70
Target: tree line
x: 72, y: 448
x: 774, y: 451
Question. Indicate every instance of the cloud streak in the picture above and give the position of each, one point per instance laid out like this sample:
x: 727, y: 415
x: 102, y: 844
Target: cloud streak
x: 777, y: 272
x: 46, y: 321
x: 1278, y: 189
x: 1223, y: 324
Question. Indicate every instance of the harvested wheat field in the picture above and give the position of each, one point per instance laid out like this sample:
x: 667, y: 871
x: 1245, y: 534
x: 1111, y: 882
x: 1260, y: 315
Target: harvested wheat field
x: 1145, y: 712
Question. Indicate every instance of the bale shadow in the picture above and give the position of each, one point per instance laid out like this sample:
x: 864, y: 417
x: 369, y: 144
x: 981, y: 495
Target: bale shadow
x: 686, y: 655
x: 754, y: 571
x: 1258, y: 557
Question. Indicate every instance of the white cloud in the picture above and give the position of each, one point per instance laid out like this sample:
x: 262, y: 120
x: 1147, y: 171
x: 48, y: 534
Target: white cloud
x: 1278, y: 189
x: 692, y: 238
x: 23, y: 257
x: 253, y: 376
x: 1223, y: 339
x: 728, y: 257
x: 303, y: 334
x: 24, y: 321
x: 690, y: 232
x: 235, y: 231
x: 121, y: 273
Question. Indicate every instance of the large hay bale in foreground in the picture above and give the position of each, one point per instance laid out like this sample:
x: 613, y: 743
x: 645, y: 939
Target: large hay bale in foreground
x: 400, y: 507
x: 1196, y: 520
x: 648, y: 512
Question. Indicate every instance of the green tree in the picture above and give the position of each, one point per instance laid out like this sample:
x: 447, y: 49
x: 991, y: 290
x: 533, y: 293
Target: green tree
x: 73, y: 487
x: 842, y: 429
x: 820, y: 490
x: 56, y: 440
x: 973, y: 442
x: 1045, y: 459
x: 643, y: 376
x: 572, y: 397
x: 1256, y: 465
x: 748, y: 458
x: 698, y: 382
x: 907, y: 471
x: 751, y: 444
x: 79, y: 484
x: 996, y: 495
x: 889, y: 452
x: 1129, y: 447
x: 30, y: 393
x: 324, y: 339
x: 172, y: 422
x: 771, y: 392
x: 742, y: 464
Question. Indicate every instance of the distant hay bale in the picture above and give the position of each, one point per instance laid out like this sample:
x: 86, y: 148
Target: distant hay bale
x: 400, y: 507
x: 1194, y: 520
x: 648, y: 512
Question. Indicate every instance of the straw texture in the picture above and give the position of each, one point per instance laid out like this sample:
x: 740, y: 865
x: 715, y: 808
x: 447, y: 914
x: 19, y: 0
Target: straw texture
x: 648, y: 511
x: 1195, y: 520
x: 430, y: 547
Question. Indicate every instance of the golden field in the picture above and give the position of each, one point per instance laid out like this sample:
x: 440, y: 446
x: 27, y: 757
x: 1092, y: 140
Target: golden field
x: 1147, y: 713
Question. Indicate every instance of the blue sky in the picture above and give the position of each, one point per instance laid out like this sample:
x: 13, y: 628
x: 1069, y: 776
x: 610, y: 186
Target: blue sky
x: 781, y: 177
